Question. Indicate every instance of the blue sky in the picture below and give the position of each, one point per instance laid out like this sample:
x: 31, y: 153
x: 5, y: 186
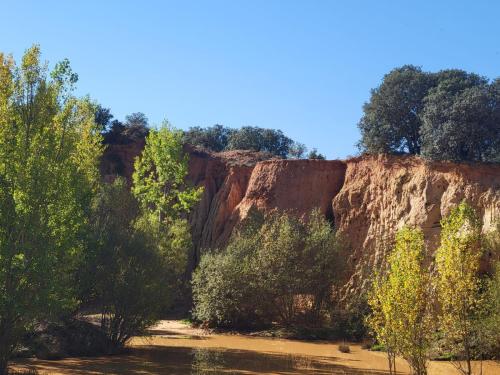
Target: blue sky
x: 304, y: 67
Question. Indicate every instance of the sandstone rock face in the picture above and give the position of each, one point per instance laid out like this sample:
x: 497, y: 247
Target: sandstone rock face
x: 224, y: 178
x: 367, y: 198
x: 383, y: 193
x: 296, y: 186
x: 118, y: 159
x: 236, y: 181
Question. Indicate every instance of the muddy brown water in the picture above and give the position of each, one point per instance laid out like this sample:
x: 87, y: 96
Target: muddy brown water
x: 174, y: 348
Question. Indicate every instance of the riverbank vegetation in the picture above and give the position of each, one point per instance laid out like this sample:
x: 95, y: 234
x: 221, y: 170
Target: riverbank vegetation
x: 275, y: 269
x: 97, y: 262
x: 69, y: 242
x: 418, y: 313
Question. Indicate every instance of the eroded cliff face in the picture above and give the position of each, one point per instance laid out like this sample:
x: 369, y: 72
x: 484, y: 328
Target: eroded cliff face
x: 224, y: 177
x: 237, y: 181
x: 368, y: 198
x: 383, y: 193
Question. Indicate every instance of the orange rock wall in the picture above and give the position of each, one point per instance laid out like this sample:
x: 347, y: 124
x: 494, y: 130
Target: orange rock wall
x: 368, y: 198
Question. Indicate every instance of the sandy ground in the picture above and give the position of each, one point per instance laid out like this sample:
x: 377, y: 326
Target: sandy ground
x: 175, y: 348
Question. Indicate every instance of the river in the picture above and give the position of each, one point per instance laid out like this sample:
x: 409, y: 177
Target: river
x: 175, y: 348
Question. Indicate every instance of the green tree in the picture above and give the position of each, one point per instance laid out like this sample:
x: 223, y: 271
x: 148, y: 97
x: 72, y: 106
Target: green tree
x: 314, y: 154
x: 448, y: 115
x: 460, y: 121
x: 221, y: 138
x: 160, y: 177
x: 458, y: 284
x: 260, y: 139
x: 401, y: 303
x: 131, y: 270
x: 102, y: 117
x: 391, y: 119
x: 214, y: 138
x: 488, y: 340
x: 49, y: 152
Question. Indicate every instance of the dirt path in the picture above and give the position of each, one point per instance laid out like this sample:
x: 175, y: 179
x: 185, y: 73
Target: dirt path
x: 175, y: 348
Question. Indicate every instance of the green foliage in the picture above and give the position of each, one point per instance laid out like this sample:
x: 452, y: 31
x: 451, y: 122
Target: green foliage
x: 134, y: 129
x: 102, y: 117
x: 458, y: 284
x: 401, y: 318
x: 259, y: 139
x: 213, y: 138
x: 220, y: 138
x: 449, y: 115
x: 348, y: 319
x: 460, y: 120
x: 391, y: 121
x: 159, y: 176
x: 488, y: 341
x: 314, y: 154
x: 132, y: 268
x: 491, y: 322
x: 280, y: 269
x: 49, y: 152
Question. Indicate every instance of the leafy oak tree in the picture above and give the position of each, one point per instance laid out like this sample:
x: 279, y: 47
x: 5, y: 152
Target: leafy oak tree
x: 448, y: 115
x: 391, y: 121
x: 401, y: 303
x: 49, y: 152
x: 458, y: 284
x: 460, y: 120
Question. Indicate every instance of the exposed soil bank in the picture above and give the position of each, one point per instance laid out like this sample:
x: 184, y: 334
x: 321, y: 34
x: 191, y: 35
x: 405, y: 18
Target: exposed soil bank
x: 175, y: 348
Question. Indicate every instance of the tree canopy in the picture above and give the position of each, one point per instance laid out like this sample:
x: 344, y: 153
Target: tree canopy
x: 448, y: 115
x: 49, y: 152
x: 221, y: 138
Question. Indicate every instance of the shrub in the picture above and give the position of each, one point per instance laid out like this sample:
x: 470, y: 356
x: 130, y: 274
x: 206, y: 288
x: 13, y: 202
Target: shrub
x: 281, y: 270
x: 349, y: 322
x: 344, y: 348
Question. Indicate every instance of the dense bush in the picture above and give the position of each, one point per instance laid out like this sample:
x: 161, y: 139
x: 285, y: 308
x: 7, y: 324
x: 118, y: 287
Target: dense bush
x: 282, y: 269
x: 449, y: 115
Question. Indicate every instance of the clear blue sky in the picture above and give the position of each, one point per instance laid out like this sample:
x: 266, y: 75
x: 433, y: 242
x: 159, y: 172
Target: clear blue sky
x: 305, y: 67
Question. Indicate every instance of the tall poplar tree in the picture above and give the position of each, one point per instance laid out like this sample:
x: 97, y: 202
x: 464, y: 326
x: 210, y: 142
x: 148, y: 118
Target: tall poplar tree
x: 458, y: 283
x: 401, y: 303
x: 49, y: 151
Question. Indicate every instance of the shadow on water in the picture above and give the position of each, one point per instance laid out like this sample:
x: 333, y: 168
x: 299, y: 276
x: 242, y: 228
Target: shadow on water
x: 199, y: 361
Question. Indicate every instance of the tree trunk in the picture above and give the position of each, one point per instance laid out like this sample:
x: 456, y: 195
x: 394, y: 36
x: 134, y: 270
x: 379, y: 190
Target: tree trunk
x: 4, y: 356
x: 5, y: 344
